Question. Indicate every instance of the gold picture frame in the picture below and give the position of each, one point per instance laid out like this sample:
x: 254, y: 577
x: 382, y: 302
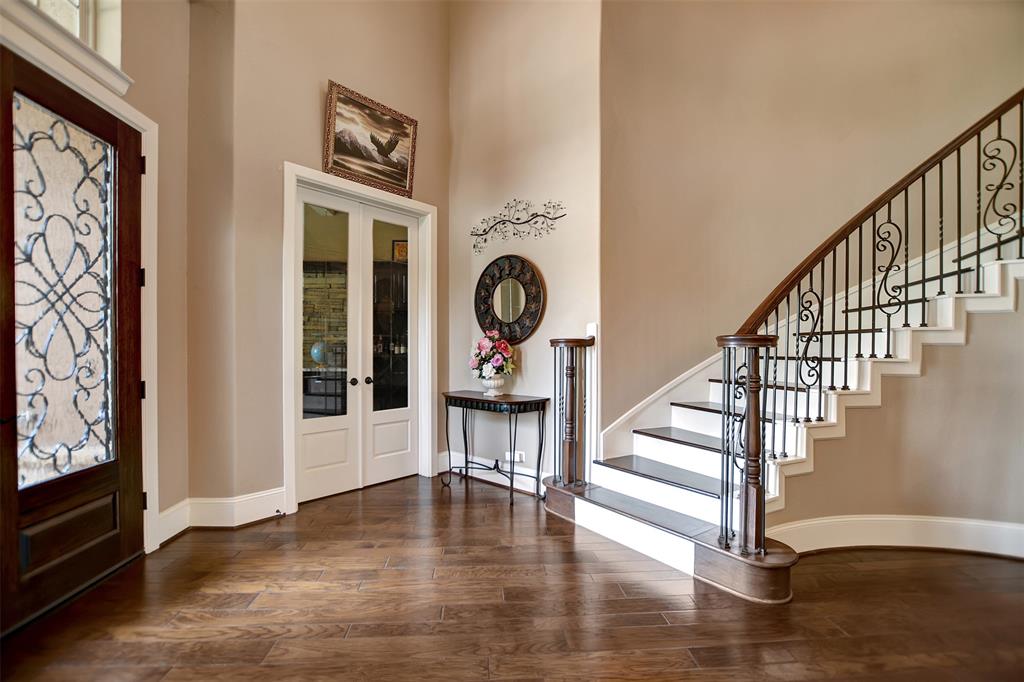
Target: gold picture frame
x: 368, y: 142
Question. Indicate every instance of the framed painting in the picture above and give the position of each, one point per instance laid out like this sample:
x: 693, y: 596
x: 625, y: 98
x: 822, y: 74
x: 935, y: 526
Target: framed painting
x: 400, y: 250
x: 368, y: 142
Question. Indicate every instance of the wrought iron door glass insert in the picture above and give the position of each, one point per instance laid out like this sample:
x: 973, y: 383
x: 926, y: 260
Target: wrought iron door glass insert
x: 509, y: 405
x: 63, y: 265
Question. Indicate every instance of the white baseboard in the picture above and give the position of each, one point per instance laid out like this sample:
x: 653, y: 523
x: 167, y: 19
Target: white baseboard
x: 218, y: 511
x: 973, y: 535
x: 521, y: 483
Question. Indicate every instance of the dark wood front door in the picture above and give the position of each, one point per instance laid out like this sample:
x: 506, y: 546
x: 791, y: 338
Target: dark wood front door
x: 71, y: 466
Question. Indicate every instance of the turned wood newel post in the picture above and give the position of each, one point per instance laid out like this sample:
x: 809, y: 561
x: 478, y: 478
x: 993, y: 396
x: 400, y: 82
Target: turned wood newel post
x: 570, y: 408
x: 741, y: 438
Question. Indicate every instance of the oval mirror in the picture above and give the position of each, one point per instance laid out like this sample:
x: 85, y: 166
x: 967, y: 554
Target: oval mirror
x: 509, y: 300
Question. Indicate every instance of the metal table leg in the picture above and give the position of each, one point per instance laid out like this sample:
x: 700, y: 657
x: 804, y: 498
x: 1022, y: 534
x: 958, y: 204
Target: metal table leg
x: 513, y: 434
x: 448, y: 442
x: 540, y: 450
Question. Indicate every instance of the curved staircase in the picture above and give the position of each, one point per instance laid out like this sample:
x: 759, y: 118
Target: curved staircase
x: 681, y: 477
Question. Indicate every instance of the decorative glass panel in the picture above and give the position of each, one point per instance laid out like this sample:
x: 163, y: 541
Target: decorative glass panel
x: 390, y: 316
x: 324, y: 312
x: 63, y: 272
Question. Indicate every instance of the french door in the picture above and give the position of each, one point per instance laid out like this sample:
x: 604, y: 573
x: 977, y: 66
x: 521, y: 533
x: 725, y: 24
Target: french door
x: 70, y: 400
x: 357, y: 420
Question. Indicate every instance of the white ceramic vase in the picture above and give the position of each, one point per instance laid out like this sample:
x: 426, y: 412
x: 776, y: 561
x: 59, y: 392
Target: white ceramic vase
x: 494, y: 385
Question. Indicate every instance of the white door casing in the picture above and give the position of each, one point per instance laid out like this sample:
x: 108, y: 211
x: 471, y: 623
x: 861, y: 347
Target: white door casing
x: 420, y: 417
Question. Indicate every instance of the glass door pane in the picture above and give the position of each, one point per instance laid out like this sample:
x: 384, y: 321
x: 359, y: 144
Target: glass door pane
x: 390, y: 316
x: 63, y: 271
x: 325, y: 312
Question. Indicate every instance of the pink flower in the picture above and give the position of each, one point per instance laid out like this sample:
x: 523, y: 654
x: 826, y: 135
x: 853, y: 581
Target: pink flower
x: 504, y: 348
x: 492, y: 333
x: 498, y: 360
x: 484, y: 345
x: 474, y: 363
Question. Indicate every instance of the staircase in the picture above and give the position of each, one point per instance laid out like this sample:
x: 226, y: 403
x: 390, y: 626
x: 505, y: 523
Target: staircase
x: 683, y: 479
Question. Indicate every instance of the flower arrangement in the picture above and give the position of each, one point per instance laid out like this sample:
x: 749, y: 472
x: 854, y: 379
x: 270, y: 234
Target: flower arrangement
x: 491, y: 355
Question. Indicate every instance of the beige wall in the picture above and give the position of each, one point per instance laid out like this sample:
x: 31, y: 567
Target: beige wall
x: 155, y: 55
x: 524, y: 120
x: 950, y: 443
x: 737, y: 136
x: 283, y: 55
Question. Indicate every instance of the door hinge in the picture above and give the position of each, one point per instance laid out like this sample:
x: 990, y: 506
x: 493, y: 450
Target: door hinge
x: 142, y: 165
x: 145, y: 501
x: 142, y: 389
x: 142, y: 277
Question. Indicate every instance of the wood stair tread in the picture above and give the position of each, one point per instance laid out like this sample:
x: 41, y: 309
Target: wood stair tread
x: 666, y: 473
x: 697, y: 531
x: 683, y: 437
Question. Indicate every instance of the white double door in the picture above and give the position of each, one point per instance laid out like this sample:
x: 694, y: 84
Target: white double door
x: 358, y: 361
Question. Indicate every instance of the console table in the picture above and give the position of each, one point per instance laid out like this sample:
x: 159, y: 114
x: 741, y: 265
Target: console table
x: 513, y: 406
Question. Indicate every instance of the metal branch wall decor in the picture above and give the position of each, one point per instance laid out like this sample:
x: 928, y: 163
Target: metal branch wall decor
x: 517, y: 219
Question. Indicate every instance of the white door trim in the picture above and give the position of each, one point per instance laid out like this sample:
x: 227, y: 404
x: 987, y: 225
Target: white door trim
x: 70, y: 70
x: 296, y: 176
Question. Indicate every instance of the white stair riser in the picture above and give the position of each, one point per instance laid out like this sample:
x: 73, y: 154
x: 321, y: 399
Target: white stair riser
x: 662, y: 494
x: 678, y: 455
x: 780, y: 401
x: 658, y: 544
x: 785, y: 439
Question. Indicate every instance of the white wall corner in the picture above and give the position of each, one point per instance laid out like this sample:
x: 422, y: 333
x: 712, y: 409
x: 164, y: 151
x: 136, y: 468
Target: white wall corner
x: 223, y: 512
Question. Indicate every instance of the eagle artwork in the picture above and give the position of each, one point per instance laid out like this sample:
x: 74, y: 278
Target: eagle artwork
x: 368, y: 142
x: 385, y: 148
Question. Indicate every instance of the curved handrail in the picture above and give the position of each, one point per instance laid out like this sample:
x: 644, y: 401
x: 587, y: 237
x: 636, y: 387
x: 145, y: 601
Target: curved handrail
x: 584, y: 342
x: 778, y: 295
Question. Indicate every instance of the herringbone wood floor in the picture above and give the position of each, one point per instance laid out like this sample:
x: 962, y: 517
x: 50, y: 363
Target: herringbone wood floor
x: 406, y: 581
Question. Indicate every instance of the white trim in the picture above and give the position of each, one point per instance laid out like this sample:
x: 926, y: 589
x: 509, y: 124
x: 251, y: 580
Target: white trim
x: 46, y: 56
x: 426, y: 216
x: 20, y: 17
x: 173, y: 520
x: 973, y: 535
x: 226, y: 512
x: 236, y: 511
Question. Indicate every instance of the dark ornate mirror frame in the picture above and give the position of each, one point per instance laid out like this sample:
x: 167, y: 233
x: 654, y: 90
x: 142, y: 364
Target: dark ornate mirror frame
x: 523, y: 271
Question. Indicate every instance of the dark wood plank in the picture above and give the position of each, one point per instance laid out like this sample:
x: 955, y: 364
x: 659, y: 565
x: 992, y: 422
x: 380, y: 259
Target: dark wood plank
x: 513, y: 594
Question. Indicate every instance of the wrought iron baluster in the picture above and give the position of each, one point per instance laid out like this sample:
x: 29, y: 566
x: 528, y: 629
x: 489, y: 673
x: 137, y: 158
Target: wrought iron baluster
x: 785, y: 381
x: 924, y: 247
x: 874, y: 279
x: 773, y: 353
x: 888, y: 300
x: 821, y: 344
x: 796, y: 347
x: 846, y: 314
x: 1020, y: 180
x: 860, y: 287
x: 977, y: 215
x: 835, y: 302
x: 959, y: 225
x: 942, y: 227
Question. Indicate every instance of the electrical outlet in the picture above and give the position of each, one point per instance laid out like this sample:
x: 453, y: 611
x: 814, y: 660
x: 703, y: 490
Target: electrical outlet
x: 520, y: 456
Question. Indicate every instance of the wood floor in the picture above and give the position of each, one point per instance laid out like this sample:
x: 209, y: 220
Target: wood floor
x: 406, y: 581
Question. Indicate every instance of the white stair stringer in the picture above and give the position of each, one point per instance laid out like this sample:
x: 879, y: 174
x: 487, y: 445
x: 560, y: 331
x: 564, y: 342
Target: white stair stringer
x: 1000, y: 295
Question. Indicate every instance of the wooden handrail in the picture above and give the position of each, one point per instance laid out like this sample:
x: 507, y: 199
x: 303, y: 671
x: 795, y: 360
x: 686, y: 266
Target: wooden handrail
x: 775, y: 298
x: 584, y: 342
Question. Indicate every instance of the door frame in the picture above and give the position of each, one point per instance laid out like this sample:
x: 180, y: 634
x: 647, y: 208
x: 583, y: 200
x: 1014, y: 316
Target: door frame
x: 296, y: 176
x: 25, y: 37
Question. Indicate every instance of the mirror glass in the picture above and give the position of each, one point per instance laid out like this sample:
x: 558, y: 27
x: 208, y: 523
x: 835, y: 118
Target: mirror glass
x: 509, y: 300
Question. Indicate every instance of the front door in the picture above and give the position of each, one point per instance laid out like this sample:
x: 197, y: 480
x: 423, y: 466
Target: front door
x: 358, y: 362
x: 71, y: 466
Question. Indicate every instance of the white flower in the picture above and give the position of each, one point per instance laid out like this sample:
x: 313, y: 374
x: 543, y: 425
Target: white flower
x: 487, y: 371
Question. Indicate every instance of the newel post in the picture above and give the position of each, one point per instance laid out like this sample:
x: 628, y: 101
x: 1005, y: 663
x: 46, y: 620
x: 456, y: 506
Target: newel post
x: 571, y: 377
x: 742, y: 448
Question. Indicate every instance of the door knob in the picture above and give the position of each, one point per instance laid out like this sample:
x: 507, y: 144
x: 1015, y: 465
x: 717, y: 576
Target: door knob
x: 353, y: 381
x: 368, y: 380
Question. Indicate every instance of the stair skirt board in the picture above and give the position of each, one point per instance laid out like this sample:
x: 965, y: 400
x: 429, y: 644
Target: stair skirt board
x: 938, y: 532
x: 660, y: 545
